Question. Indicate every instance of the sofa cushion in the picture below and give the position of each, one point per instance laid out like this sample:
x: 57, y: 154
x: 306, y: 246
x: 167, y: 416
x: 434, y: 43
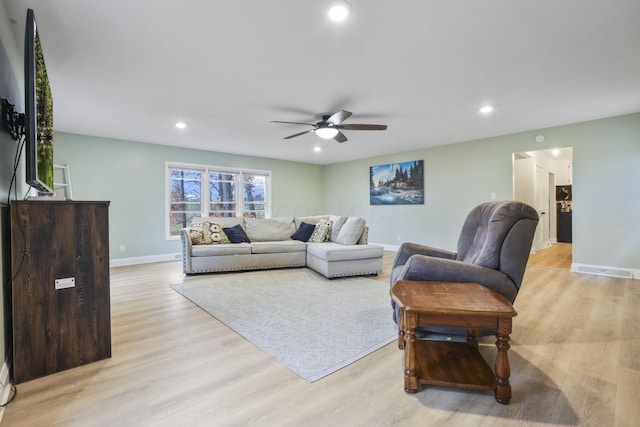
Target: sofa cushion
x: 236, y: 234
x: 321, y: 232
x: 207, y: 233
x: 269, y: 229
x: 222, y: 249
x: 337, y: 222
x: 304, y: 232
x: 351, y: 231
x: 314, y: 219
x: 282, y: 246
x: 336, y: 252
x: 224, y: 221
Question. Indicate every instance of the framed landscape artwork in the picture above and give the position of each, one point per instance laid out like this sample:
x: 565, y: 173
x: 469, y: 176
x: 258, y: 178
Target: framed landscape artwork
x: 397, y: 183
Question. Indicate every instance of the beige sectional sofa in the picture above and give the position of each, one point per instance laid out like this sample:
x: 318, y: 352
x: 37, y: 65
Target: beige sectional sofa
x: 338, y: 246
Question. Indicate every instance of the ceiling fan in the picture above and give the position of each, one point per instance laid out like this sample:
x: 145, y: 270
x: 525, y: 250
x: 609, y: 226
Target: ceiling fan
x: 331, y: 126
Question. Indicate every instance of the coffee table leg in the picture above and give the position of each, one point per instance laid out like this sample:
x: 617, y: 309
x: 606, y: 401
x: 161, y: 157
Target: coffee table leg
x: 410, y: 377
x: 502, y: 388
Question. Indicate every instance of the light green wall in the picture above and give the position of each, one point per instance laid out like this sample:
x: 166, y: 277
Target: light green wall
x: 132, y: 175
x: 456, y: 177
x: 606, y: 168
x: 606, y: 193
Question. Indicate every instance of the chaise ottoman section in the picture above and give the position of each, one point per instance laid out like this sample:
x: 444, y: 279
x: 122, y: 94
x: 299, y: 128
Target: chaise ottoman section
x: 335, y: 260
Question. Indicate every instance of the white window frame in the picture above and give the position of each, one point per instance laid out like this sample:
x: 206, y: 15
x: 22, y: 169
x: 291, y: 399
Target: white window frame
x: 205, y: 202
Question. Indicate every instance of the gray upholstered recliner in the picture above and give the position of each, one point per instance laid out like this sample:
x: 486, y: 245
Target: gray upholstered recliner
x: 493, y: 249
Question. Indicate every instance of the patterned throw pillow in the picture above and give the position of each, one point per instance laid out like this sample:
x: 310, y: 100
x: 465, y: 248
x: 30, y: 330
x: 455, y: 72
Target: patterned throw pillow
x: 196, y: 236
x: 322, y: 231
x: 207, y: 233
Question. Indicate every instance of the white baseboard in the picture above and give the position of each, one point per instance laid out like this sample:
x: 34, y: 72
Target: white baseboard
x: 602, y: 270
x: 626, y: 273
x: 119, y: 262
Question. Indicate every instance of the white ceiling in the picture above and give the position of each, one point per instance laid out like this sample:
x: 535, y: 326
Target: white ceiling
x: 130, y: 69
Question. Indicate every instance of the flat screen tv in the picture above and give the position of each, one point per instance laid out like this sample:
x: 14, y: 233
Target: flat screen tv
x: 38, y: 112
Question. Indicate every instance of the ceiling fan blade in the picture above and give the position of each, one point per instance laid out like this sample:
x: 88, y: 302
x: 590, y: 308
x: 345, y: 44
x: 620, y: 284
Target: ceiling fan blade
x: 298, y: 134
x: 340, y: 137
x: 292, y: 123
x: 339, y: 117
x: 355, y: 126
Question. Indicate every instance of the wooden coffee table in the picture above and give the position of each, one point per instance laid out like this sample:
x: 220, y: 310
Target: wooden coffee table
x: 468, y: 306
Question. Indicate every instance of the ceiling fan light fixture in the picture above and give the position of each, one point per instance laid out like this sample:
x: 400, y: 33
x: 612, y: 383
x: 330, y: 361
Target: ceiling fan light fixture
x: 339, y: 10
x: 326, y: 133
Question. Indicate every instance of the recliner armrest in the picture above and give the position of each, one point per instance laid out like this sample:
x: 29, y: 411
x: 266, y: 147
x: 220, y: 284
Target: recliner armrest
x: 409, y: 249
x: 420, y: 267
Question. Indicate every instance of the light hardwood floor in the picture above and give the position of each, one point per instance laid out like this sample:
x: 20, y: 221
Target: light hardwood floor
x: 558, y: 255
x: 575, y: 360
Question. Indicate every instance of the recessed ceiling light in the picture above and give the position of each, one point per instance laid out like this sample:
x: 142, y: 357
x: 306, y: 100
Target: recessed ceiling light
x: 339, y: 10
x: 486, y: 109
x: 181, y: 125
x: 317, y: 149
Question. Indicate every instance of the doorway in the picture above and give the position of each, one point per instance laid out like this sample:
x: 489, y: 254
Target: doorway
x: 536, y: 177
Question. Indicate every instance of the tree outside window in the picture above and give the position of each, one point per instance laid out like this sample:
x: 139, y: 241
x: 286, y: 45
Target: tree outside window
x: 211, y: 192
x: 222, y: 194
x: 186, y: 198
x: 254, y: 196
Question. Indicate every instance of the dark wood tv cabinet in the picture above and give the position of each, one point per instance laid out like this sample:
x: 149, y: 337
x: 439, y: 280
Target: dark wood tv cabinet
x: 61, y: 310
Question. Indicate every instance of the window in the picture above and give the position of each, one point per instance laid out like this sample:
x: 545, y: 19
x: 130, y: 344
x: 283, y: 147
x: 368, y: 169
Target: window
x: 222, y: 194
x: 194, y: 191
x: 186, y: 198
x: 254, y: 205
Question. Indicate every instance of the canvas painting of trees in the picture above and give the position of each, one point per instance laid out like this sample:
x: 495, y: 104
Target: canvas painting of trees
x: 44, y: 112
x: 397, y: 183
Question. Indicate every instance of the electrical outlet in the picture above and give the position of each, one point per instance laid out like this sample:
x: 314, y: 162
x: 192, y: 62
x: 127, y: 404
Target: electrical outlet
x: 67, y: 282
x: 121, y: 248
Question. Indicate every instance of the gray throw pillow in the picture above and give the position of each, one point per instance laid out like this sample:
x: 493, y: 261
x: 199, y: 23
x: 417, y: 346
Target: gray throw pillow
x: 351, y: 231
x: 336, y: 225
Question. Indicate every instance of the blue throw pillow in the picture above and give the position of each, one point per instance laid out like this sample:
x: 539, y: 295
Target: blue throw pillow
x: 236, y: 234
x: 304, y: 232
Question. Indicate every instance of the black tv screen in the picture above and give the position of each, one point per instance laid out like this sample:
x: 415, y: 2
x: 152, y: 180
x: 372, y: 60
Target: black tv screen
x: 38, y: 112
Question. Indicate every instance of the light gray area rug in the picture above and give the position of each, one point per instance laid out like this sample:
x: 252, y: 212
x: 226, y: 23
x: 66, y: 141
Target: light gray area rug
x: 312, y: 325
